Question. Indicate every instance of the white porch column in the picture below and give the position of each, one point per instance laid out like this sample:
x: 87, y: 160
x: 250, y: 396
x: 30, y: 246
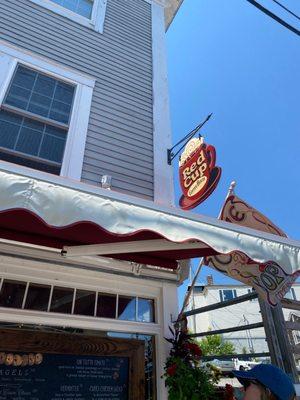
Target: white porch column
x: 168, y: 313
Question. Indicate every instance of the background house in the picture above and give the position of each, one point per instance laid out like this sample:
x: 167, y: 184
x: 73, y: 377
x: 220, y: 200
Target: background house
x: 236, y: 315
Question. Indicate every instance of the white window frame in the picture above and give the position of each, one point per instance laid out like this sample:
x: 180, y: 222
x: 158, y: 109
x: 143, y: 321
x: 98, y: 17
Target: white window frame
x: 10, y: 57
x: 96, y: 21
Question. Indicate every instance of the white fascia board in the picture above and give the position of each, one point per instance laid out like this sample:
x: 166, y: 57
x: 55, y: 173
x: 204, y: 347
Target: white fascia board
x: 162, y: 135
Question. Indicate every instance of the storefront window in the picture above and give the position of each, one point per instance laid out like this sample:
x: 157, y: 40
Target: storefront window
x: 145, y: 310
x: 127, y: 308
x: 62, y: 300
x: 75, y: 301
x: 37, y: 297
x: 106, y: 306
x: 85, y: 302
x: 12, y: 293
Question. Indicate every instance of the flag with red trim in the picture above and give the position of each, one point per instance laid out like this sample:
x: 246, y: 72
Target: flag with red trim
x: 269, y: 279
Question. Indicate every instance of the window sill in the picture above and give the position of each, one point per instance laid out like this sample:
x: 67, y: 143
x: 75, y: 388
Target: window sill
x: 95, y: 23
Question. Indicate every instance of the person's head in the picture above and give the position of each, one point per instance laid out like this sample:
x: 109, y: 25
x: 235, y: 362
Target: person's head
x: 266, y: 382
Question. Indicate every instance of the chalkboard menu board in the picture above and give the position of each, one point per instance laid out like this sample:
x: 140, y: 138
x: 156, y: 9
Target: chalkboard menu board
x: 63, y: 377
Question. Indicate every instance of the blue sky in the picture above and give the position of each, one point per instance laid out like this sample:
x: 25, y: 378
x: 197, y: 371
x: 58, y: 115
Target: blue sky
x: 228, y: 58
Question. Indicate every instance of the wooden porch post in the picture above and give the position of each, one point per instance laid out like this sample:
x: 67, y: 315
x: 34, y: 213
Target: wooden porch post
x: 277, y: 339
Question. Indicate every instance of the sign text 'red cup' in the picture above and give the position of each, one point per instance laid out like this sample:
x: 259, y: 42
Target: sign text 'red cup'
x: 198, y: 174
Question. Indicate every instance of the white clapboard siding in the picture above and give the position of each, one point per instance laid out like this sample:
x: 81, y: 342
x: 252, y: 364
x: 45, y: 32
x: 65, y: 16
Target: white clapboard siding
x: 120, y: 135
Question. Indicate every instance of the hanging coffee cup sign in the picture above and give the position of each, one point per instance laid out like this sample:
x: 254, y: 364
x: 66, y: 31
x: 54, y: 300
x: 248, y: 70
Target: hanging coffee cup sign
x: 198, y: 173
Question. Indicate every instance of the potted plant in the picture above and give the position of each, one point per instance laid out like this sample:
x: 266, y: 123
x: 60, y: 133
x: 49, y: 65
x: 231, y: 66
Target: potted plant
x: 185, y: 377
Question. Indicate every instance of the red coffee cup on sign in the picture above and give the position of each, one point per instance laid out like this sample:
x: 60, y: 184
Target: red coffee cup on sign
x: 198, y: 173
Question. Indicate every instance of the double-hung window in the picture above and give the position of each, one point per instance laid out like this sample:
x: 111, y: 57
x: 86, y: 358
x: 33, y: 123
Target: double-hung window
x: 90, y: 13
x: 44, y: 113
x: 227, y: 294
x: 34, y: 120
x: 81, y: 7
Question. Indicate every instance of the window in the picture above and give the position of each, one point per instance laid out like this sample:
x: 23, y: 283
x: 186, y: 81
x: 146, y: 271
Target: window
x: 12, y: 294
x: 37, y: 297
x: 85, y: 302
x: 227, y: 294
x: 68, y: 300
x: 44, y: 113
x: 62, y: 300
x: 106, y: 306
x: 90, y: 13
x: 295, y: 334
x: 81, y: 7
x: 127, y: 308
x: 145, y: 310
x: 291, y: 295
x: 34, y: 119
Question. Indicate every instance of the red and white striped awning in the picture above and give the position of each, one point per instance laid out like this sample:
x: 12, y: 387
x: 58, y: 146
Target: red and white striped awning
x: 94, y: 221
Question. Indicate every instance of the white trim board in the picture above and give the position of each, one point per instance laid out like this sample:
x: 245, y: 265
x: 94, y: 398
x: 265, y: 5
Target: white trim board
x: 96, y: 22
x: 84, y: 265
x: 162, y: 135
x: 72, y: 161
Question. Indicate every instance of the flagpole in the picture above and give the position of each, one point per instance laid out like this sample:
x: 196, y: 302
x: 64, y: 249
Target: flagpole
x: 191, y: 289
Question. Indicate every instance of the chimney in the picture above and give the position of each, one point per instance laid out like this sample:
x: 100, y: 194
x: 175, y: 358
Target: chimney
x: 210, y: 280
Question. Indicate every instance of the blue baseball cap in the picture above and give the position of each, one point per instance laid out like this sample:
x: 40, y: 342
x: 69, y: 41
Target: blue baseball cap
x: 271, y: 377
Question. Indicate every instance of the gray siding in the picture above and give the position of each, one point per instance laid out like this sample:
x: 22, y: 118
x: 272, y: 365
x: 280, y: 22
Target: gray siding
x: 119, y: 141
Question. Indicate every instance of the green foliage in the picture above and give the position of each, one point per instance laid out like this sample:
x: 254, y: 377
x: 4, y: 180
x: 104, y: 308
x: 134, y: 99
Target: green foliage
x: 184, y: 377
x: 214, y: 345
x: 189, y: 383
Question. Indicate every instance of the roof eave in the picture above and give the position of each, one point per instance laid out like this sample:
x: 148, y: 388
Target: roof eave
x: 171, y: 9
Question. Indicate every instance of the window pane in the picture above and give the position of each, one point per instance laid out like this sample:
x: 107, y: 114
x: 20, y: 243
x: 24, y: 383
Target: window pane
x: 127, y: 308
x: 37, y: 297
x: 64, y: 92
x: 81, y: 7
x: 25, y: 77
x: 12, y: 293
x: 18, y: 97
x: 85, y: 8
x: 35, y: 164
x: 62, y: 299
x: 106, y: 305
x: 290, y: 294
x: 40, y: 94
x: 53, y: 144
x: 30, y: 137
x: 228, y: 295
x: 145, y: 310
x: 39, y: 105
x: 85, y: 302
x: 10, y: 125
x: 45, y: 85
x: 60, y: 112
